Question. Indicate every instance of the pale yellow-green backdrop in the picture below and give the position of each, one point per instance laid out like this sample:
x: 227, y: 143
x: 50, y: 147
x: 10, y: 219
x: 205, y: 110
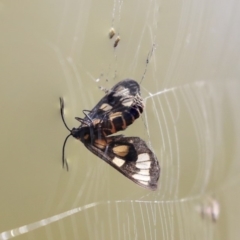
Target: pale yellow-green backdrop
x: 188, y: 54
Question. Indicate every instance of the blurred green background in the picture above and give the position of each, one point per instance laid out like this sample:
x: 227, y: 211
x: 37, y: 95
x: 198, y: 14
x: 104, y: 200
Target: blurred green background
x: 187, y: 55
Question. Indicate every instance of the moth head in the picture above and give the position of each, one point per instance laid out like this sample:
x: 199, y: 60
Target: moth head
x: 82, y: 133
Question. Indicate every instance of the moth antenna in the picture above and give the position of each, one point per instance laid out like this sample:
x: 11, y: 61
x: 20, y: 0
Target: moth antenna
x: 64, y: 161
x: 62, y: 114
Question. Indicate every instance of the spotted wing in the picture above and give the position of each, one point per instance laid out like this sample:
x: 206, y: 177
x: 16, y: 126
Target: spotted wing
x: 130, y: 156
x: 119, y: 108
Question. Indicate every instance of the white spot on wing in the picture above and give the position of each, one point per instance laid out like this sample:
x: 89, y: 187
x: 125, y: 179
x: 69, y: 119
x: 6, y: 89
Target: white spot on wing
x: 145, y: 183
x: 118, y: 161
x: 141, y: 177
x: 121, y: 92
x: 144, y: 172
x: 127, y: 102
x: 106, y: 107
x: 143, y: 165
x: 143, y: 157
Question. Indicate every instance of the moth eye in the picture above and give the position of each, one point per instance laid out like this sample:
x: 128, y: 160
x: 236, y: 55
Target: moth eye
x: 111, y: 99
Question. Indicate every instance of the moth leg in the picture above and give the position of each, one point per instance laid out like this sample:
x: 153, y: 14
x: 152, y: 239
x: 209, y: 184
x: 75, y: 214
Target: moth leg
x: 87, y: 111
x: 81, y: 120
x: 86, y: 115
x: 91, y: 123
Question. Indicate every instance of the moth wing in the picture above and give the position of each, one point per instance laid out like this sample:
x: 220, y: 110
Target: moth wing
x: 117, y: 99
x: 131, y: 157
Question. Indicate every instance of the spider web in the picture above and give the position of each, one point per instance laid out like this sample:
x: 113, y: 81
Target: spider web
x: 186, y: 58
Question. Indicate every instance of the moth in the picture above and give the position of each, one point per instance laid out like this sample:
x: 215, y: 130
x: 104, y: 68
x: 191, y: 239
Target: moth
x: 118, y: 109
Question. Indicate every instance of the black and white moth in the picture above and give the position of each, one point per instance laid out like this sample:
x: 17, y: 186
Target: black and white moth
x: 118, y: 109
